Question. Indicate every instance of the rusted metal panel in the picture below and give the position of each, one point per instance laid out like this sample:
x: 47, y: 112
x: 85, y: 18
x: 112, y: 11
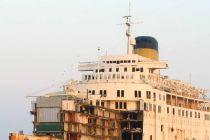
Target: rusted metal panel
x: 48, y: 115
x: 54, y: 101
x: 68, y: 105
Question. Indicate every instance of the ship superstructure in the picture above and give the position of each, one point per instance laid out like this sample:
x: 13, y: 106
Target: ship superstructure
x: 125, y: 97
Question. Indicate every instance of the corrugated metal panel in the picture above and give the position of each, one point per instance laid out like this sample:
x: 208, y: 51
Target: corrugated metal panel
x: 53, y: 101
x: 48, y: 115
x: 68, y: 105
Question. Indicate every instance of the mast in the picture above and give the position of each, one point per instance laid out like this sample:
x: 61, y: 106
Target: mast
x: 98, y: 74
x: 128, y: 31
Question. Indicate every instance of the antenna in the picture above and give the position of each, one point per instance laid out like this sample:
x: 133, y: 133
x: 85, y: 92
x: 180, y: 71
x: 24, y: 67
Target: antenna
x: 129, y: 8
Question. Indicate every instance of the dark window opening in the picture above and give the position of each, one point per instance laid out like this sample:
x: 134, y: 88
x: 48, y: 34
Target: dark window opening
x: 135, y: 93
x: 102, y: 104
x: 173, y: 111
x: 125, y: 105
x: 118, y: 93
x: 121, y: 105
x: 168, y: 110
x: 116, y: 105
x: 122, y: 93
x: 142, y: 69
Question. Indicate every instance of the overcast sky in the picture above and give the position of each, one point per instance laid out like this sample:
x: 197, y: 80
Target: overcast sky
x: 41, y: 42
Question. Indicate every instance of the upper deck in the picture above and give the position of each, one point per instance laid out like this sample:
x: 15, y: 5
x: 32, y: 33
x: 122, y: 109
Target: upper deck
x: 138, y: 69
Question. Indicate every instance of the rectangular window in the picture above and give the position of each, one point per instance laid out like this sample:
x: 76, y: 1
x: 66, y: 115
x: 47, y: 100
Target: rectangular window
x: 154, y: 96
x: 142, y: 70
x: 118, y: 93
x: 159, y: 109
x: 190, y: 113
x: 125, y: 105
x: 182, y: 112
x: 174, y: 111
x: 150, y: 137
x: 93, y: 92
x: 116, y: 105
x: 110, y: 69
x: 179, y: 112
x: 199, y: 115
x: 145, y: 106
x: 121, y: 105
x: 125, y: 69
x: 105, y: 93
x: 148, y: 94
x: 195, y: 114
x: 133, y: 69
x: 122, y: 93
x: 186, y: 113
x: 101, y: 92
x: 150, y: 107
x: 154, y: 108
x: 102, y: 104
x: 159, y: 96
x: 97, y: 103
x: 135, y: 92
x: 168, y: 110
x: 139, y: 93
x: 117, y: 69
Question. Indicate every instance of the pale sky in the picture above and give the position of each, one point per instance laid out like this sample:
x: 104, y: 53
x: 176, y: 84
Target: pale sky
x: 41, y: 42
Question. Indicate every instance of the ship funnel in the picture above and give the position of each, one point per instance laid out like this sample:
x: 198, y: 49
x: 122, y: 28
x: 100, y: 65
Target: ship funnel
x: 146, y: 46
